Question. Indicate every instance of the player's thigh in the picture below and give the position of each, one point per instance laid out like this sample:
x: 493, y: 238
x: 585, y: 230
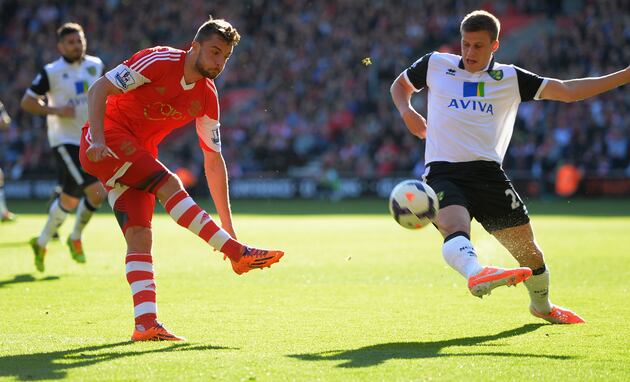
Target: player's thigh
x: 133, y: 165
x: 454, y: 214
x: 132, y: 207
x: 145, y: 173
x: 495, y: 202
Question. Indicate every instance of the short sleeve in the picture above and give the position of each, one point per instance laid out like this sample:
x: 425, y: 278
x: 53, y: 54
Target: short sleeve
x: 416, y: 74
x: 146, y: 66
x: 208, y: 133
x: 529, y: 84
x: 40, y: 85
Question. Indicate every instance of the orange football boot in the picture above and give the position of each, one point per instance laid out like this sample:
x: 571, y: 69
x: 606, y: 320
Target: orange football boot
x: 253, y: 258
x: 155, y: 333
x: 76, y: 250
x: 559, y: 315
x: 491, y: 277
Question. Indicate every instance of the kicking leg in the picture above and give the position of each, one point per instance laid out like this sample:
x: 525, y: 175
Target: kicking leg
x: 459, y: 253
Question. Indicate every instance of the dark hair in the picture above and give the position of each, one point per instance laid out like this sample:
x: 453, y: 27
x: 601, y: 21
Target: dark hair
x: 220, y: 27
x: 68, y: 28
x: 481, y: 21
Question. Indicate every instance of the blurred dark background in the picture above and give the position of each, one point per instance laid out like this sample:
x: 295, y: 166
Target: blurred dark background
x: 299, y: 106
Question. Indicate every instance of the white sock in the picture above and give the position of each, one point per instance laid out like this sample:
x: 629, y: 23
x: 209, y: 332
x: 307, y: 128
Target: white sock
x: 538, y: 288
x: 56, y: 216
x: 83, y: 215
x: 3, y: 202
x: 460, y: 254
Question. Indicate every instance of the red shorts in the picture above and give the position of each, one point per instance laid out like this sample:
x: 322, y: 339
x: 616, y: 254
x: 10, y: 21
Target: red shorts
x: 132, y: 179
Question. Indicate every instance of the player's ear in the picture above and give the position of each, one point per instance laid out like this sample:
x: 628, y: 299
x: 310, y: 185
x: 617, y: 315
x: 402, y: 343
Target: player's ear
x: 495, y: 45
x: 196, y: 46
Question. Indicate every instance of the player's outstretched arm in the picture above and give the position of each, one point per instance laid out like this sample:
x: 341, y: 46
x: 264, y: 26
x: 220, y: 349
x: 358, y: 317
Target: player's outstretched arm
x: 216, y: 175
x: 583, y: 88
x: 401, y: 93
x: 97, y: 97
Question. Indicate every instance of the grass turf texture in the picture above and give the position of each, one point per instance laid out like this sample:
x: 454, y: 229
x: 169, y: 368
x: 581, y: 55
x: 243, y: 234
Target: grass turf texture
x: 355, y: 298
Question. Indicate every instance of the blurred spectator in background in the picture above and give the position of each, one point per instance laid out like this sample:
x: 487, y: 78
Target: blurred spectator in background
x: 298, y: 88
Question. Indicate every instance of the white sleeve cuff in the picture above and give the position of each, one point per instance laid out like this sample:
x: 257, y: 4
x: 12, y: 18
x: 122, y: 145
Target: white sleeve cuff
x: 541, y: 88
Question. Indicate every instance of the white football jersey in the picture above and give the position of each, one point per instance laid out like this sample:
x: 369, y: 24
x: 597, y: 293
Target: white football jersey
x: 65, y: 83
x: 470, y: 115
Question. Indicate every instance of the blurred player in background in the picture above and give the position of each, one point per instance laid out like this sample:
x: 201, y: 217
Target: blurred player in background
x: 131, y: 109
x: 473, y: 102
x: 65, y: 83
x: 5, y: 214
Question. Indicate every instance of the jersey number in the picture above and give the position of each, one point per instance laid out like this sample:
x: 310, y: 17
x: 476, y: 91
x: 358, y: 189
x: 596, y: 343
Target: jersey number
x: 512, y: 194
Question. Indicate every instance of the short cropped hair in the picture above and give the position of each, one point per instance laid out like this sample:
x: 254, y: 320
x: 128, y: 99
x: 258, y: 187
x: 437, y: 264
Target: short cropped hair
x: 481, y: 21
x: 219, y: 27
x: 68, y: 28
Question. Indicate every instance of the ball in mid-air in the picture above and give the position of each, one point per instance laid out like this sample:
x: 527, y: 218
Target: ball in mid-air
x: 413, y: 204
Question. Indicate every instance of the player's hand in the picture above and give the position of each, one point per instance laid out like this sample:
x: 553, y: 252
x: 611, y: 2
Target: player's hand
x: 99, y: 151
x: 416, y: 124
x: 65, y: 111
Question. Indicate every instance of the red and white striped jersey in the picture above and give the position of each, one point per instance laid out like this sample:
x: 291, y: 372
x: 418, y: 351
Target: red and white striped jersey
x: 156, y: 99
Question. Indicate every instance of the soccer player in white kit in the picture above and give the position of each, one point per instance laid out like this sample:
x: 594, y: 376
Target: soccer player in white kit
x: 65, y: 84
x: 5, y: 214
x: 472, y: 103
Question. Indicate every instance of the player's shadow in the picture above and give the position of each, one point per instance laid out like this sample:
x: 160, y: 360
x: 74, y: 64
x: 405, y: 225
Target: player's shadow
x: 55, y: 365
x: 26, y: 278
x: 377, y: 354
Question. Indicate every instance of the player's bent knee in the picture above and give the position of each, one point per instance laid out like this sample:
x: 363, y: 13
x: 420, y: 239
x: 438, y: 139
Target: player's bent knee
x: 169, y: 188
x: 139, y: 239
x: 68, y: 202
x: 95, y: 194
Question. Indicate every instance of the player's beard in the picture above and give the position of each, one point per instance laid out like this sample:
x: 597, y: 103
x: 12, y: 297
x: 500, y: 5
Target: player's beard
x: 204, y: 72
x: 76, y: 56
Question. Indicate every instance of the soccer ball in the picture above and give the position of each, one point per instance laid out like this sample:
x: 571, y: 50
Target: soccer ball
x: 413, y: 204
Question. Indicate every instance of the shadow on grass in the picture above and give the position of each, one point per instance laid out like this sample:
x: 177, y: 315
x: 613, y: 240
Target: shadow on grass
x: 377, y: 354
x: 55, y: 365
x: 26, y: 278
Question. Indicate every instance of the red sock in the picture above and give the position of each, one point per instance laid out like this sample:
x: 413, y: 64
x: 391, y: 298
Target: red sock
x: 189, y: 215
x: 139, y: 268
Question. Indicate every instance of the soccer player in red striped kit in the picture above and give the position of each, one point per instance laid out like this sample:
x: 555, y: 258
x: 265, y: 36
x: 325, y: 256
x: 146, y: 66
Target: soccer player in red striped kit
x: 131, y: 109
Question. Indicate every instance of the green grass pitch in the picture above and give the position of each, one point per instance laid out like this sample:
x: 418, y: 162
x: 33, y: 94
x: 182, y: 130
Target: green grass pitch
x: 355, y: 298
